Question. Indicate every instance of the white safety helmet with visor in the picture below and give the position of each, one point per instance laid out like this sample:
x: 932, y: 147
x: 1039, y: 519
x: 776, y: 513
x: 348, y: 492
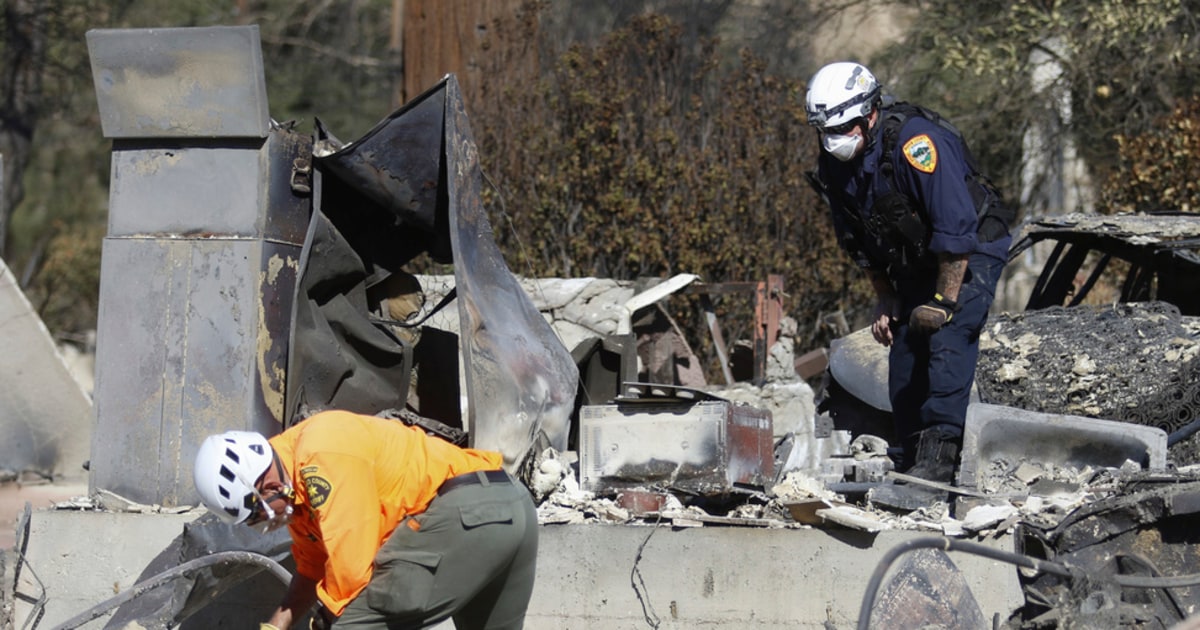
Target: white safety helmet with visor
x: 840, y: 95
x: 226, y: 472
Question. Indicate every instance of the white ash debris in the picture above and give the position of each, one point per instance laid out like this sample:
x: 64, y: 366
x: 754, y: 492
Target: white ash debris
x: 930, y: 518
x: 578, y: 506
x: 1005, y: 477
x: 856, y: 518
x: 553, y: 470
x: 983, y: 517
x: 868, y: 446
x: 107, y: 501
x: 750, y: 510
x: 1032, y: 492
x: 561, y: 499
x: 797, y: 486
x: 791, y: 403
x: 781, y: 356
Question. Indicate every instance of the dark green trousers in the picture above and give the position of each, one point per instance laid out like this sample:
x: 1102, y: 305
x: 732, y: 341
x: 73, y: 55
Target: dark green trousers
x: 472, y: 558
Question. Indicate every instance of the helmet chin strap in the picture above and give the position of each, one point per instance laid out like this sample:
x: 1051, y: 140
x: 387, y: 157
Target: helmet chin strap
x: 274, y: 519
x: 288, y: 492
x: 869, y: 132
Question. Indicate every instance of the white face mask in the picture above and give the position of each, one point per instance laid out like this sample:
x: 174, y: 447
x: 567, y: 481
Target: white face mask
x: 842, y: 147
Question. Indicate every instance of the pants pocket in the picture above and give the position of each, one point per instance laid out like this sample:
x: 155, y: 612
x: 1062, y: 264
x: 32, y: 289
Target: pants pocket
x: 403, y: 582
x: 485, y: 513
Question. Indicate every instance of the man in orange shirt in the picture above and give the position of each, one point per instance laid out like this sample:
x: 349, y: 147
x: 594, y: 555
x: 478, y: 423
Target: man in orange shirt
x: 390, y: 528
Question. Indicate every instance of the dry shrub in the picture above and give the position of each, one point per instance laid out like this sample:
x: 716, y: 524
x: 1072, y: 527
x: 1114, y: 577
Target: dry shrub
x: 1159, y: 170
x: 636, y: 156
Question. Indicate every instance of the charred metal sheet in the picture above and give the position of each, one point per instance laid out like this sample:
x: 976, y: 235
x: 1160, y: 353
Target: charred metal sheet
x: 190, y: 343
x: 166, y: 187
x: 1132, y: 228
x: 860, y: 365
x: 338, y: 358
x: 702, y: 447
x: 520, y: 379
x: 419, y: 169
x: 398, y: 165
x: 1163, y: 250
x: 180, y: 82
x: 191, y: 596
x: 193, y: 318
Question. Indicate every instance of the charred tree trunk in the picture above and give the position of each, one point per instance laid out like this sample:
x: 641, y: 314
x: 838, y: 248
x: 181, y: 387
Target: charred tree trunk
x: 22, y: 57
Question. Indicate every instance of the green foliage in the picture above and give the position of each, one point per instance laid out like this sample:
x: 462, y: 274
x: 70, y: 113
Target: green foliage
x: 1160, y: 169
x: 1121, y: 64
x: 636, y: 157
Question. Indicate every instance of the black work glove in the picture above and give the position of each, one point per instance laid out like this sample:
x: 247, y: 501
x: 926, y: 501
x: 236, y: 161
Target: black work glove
x: 929, y: 317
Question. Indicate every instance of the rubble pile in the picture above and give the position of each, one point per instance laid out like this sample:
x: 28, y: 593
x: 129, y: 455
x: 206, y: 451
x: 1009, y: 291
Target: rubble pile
x: 1134, y: 362
x: 1035, y: 494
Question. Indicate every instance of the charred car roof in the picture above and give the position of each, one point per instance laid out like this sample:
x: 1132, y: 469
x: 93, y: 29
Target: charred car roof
x: 1163, y: 252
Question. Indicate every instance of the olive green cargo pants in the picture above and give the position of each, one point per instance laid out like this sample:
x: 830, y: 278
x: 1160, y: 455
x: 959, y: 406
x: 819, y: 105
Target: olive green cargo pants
x: 471, y: 557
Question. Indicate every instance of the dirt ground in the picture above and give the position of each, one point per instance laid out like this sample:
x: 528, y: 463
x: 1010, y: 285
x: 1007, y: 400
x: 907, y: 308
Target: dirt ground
x: 39, y: 495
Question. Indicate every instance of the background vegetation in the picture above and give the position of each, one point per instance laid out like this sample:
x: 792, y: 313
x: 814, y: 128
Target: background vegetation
x: 631, y: 138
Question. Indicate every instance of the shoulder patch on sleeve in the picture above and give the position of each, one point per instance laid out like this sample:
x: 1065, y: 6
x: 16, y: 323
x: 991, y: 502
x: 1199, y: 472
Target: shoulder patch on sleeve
x: 318, y: 490
x: 921, y: 154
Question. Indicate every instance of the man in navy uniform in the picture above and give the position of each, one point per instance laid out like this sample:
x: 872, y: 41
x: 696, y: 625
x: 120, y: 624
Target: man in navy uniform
x: 913, y: 211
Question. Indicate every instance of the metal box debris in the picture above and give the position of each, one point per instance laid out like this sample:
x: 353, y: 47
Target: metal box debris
x: 706, y: 447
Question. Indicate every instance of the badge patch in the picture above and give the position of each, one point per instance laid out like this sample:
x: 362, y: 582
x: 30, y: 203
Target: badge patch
x: 318, y: 490
x: 921, y: 153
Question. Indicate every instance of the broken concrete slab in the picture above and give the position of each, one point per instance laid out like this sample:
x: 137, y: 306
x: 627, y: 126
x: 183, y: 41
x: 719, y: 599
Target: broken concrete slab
x: 998, y: 433
x: 47, y: 416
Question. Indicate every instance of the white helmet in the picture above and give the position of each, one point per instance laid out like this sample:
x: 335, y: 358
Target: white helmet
x: 839, y: 93
x: 227, y: 467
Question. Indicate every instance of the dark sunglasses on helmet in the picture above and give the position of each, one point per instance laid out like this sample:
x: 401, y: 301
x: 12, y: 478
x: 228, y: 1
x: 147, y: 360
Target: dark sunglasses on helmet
x: 841, y: 129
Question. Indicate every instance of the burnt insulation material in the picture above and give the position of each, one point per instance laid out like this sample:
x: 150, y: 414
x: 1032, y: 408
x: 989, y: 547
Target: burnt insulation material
x: 1134, y: 362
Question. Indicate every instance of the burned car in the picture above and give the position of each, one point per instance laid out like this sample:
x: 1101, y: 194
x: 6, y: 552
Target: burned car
x: 1159, y: 253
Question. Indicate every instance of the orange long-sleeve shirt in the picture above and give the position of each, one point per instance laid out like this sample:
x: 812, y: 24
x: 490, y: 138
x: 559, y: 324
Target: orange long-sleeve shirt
x: 356, y: 477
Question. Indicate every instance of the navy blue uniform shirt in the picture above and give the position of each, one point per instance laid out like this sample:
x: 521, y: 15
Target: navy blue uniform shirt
x: 931, y: 169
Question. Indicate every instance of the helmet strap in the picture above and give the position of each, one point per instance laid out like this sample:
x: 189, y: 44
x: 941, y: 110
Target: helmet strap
x: 287, y: 492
